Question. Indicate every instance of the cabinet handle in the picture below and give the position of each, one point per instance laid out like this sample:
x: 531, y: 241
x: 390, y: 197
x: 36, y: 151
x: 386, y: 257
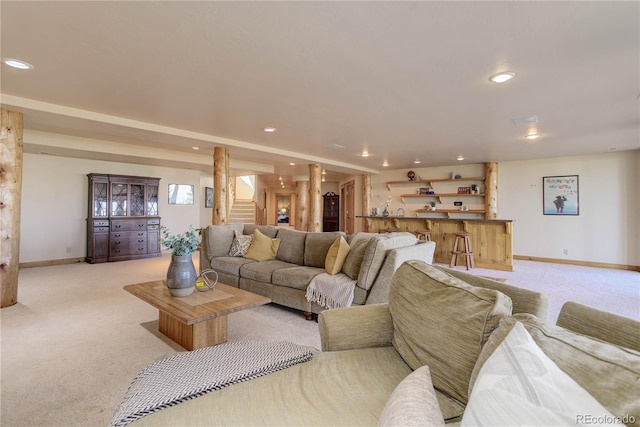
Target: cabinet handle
x: 140, y: 240
x: 140, y: 234
x: 117, y: 251
x: 117, y: 225
x: 116, y: 235
x: 141, y: 249
x: 117, y: 243
x: 140, y: 225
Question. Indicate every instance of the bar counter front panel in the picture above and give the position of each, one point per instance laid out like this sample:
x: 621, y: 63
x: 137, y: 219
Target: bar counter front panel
x: 491, y: 240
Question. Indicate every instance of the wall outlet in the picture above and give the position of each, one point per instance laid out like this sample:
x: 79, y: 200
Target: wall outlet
x: 565, y: 251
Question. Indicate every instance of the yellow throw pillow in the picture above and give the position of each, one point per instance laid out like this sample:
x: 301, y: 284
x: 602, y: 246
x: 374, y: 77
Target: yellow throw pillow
x: 263, y: 248
x: 338, y: 252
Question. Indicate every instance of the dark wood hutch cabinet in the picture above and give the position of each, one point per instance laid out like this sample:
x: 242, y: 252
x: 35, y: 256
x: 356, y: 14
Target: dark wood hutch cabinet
x: 123, y: 221
x: 331, y: 212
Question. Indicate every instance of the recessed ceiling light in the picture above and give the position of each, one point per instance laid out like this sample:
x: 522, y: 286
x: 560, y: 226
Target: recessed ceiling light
x: 196, y: 148
x: 324, y: 172
x: 416, y: 161
x: 460, y: 157
x: 532, y: 135
x: 16, y: 63
x: 269, y: 129
x: 292, y: 164
x: 365, y: 154
x: 385, y: 164
x: 502, y: 77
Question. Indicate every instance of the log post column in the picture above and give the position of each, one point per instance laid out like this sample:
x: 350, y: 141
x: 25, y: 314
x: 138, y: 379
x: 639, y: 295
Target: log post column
x: 302, y: 205
x: 366, y: 195
x: 220, y: 185
x: 491, y: 190
x: 315, y: 196
x: 10, y: 197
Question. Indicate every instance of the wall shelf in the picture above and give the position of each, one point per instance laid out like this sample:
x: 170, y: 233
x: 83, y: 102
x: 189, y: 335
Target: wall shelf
x: 431, y: 181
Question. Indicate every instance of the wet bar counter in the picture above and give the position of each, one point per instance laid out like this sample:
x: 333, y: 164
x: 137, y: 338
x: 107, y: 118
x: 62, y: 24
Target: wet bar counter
x: 491, y: 240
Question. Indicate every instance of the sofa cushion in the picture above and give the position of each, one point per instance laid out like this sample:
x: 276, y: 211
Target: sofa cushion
x: 610, y: 373
x: 295, y: 277
x: 267, y: 230
x: 291, y: 245
x: 443, y: 322
x: 220, y: 238
x: 240, y: 244
x: 263, y: 271
x: 519, y: 385
x: 338, y: 252
x: 262, y: 248
x: 229, y: 265
x: 413, y: 402
x: 316, y: 247
x: 357, y: 247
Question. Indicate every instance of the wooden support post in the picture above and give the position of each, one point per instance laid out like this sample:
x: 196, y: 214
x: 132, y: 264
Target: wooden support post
x: 491, y: 190
x: 315, y: 196
x: 366, y: 195
x: 302, y: 205
x: 220, y: 185
x: 10, y: 197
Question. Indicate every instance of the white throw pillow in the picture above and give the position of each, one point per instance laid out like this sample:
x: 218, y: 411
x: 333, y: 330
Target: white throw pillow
x: 520, y: 385
x: 413, y: 403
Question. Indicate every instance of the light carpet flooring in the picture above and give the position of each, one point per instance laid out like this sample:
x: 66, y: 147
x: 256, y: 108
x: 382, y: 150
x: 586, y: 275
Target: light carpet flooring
x: 73, y: 343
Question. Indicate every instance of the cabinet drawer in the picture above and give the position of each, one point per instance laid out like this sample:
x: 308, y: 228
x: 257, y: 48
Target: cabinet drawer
x: 101, y: 229
x: 153, y: 222
x: 101, y: 223
x: 153, y: 227
x: 128, y: 225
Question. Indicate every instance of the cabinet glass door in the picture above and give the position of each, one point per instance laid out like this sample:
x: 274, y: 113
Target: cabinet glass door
x: 137, y: 199
x: 119, y: 195
x: 152, y: 200
x: 100, y: 199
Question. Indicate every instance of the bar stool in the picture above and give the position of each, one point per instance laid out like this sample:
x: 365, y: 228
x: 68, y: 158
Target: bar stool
x: 424, y: 235
x: 466, y: 251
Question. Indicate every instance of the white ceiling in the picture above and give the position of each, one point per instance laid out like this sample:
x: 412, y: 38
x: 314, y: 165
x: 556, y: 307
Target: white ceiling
x: 402, y: 80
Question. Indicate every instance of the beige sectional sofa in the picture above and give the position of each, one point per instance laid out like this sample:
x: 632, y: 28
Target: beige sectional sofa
x: 421, y: 360
x: 372, y: 259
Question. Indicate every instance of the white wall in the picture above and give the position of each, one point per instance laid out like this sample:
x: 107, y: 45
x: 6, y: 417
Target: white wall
x: 607, y: 228
x: 54, y: 203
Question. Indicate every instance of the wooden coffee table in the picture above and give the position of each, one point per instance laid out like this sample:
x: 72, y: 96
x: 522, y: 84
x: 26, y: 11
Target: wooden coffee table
x: 199, y: 320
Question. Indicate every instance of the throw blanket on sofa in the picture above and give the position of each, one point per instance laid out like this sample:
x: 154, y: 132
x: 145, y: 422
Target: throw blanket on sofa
x: 194, y: 373
x: 331, y: 291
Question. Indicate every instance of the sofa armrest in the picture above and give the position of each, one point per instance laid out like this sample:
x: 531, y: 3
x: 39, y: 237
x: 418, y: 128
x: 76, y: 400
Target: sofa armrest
x: 609, y: 327
x: 355, y: 327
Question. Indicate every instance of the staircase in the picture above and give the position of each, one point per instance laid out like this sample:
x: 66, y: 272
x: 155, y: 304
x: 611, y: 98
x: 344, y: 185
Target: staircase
x: 243, y: 212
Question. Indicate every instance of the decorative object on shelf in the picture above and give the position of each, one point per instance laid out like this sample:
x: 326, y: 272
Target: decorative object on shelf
x: 560, y: 195
x: 400, y: 212
x: 375, y: 212
x: 181, y: 275
x: 453, y: 175
x: 411, y: 175
x: 457, y: 203
x: 385, y: 206
x: 433, y: 206
x: 464, y: 190
x: 474, y: 189
x: 458, y: 176
x: 207, y: 280
x: 423, y: 190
